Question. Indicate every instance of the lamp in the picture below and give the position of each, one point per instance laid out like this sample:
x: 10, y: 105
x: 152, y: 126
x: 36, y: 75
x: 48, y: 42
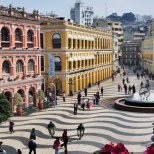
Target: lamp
x: 67, y: 139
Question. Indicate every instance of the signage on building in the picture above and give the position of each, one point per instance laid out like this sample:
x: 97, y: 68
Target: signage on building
x: 51, y: 69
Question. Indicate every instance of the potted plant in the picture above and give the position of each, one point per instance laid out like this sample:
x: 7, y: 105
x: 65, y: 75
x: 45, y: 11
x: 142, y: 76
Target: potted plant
x: 18, y: 100
x: 41, y: 98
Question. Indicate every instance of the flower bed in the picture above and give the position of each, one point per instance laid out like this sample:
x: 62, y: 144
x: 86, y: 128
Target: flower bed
x: 114, y: 149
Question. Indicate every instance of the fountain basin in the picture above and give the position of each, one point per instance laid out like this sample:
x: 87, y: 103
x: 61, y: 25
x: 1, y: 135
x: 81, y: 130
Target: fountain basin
x: 136, y: 100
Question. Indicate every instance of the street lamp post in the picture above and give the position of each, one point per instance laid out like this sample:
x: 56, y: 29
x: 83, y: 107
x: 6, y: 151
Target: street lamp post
x: 66, y: 139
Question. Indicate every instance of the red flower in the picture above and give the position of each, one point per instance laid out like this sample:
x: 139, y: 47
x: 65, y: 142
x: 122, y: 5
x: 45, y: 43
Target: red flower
x: 114, y: 149
x: 150, y: 150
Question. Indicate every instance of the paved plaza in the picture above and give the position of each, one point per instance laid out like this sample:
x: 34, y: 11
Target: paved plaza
x: 102, y: 124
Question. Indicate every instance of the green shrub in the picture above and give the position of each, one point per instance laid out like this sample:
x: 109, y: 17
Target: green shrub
x: 5, y: 108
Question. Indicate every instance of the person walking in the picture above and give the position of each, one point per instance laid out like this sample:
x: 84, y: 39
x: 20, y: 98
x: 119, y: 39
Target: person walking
x: 49, y: 126
x: 79, y: 97
x: 75, y: 108
x: 32, y: 146
x: 141, y: 84
x: 97, y: 98
x: 56, y: 145
x: 113, y: 78
x: 127, y: 79
x: 65, y: 140
x: 85, y: 92
x: 32, y: 134
x: 1, y: 148
x: 123, y: 81
x: 98, y: 83
x: 19, y: 151
x: 64, y: 96
x: 119, y: 87
x: 129, y: 89
x: 11, y: 127
x: 83, y: 104
x: 125, y: 88
x: 102, y: 90
x: 94, y: 99
x: 133, y: 89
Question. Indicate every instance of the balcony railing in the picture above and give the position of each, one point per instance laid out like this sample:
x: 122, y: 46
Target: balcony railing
x: 5, y: 83
x: 5, y: 44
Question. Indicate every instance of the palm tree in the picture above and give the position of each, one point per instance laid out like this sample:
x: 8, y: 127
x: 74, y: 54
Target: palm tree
x: 5, y: 108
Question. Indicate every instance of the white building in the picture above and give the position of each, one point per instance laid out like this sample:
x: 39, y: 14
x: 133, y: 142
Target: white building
x: 81, y: 14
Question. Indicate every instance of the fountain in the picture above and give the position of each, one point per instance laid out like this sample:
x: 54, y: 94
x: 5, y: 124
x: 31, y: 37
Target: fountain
x: 142, y: 101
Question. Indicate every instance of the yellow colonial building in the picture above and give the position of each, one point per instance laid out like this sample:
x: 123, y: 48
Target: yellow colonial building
x: 148, y: 54
x: 82, y: 55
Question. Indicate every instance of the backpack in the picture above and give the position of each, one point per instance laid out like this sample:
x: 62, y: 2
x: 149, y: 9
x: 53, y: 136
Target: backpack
x: 33, y: 136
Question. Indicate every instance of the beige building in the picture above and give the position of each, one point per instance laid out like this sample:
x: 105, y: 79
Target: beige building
x: 148, y: 54
x: 117, y: 29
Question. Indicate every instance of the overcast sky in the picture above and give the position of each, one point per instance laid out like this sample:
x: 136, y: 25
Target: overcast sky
x: 62, y: 7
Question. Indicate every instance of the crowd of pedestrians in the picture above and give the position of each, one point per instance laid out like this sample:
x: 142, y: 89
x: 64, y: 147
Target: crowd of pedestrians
x: 84, y: 102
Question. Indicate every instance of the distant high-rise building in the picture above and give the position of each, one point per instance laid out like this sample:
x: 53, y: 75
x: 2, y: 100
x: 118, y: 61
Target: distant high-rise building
x: 81, y: 14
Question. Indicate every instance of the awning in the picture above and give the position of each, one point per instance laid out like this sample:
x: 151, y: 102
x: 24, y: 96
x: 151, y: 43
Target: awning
x: 93, y: 57
x: 82, y: 58
x: 75, y: 59
x: 70, y: 59
x: 79, y: 58
x: 87, y: 57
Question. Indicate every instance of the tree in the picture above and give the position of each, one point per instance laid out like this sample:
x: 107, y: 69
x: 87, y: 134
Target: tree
x: 41, y: 96
x: 5, y: 108
x: 129, y: 17
x: 18, y: 99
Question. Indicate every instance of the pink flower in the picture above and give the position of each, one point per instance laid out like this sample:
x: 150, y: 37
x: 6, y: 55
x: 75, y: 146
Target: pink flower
x: 114, y: 149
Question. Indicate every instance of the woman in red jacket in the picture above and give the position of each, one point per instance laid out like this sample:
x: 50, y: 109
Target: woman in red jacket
x: 57, y: 145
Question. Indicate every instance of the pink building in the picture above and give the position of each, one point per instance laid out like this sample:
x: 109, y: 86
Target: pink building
x: 20, y: 57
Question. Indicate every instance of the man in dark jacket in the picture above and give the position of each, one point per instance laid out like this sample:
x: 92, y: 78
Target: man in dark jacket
x: 32, y: 146
x: 85, y: 91
x: 79, y: 97
x: 11, y: 125
x: 75, y: 108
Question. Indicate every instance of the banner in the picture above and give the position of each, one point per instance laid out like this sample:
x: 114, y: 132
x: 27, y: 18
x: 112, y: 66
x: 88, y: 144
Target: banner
x: 51, y: 68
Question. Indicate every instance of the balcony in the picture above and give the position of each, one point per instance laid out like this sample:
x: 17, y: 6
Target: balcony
x: 30, y: 45
x: 18, y: 44
x: 10, y: 82
x: 5, y: 44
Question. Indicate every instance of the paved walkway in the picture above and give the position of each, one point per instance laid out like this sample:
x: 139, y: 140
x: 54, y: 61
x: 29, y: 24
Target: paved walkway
x: 102, y: 124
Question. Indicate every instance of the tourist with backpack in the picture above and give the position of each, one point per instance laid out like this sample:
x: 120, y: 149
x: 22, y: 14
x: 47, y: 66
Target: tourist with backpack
x: 32, y: 146
x: 32, y: 134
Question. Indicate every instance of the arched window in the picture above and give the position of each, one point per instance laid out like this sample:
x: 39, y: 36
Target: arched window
x: 5, y: 67
x: 18, y: 35
x: 5, y: 34
x: 30, y: 36
x: 30, y: 39
x: 19, y: 66
x: 56, y: 40
x: 31, y: 65
x: 58, y: 63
